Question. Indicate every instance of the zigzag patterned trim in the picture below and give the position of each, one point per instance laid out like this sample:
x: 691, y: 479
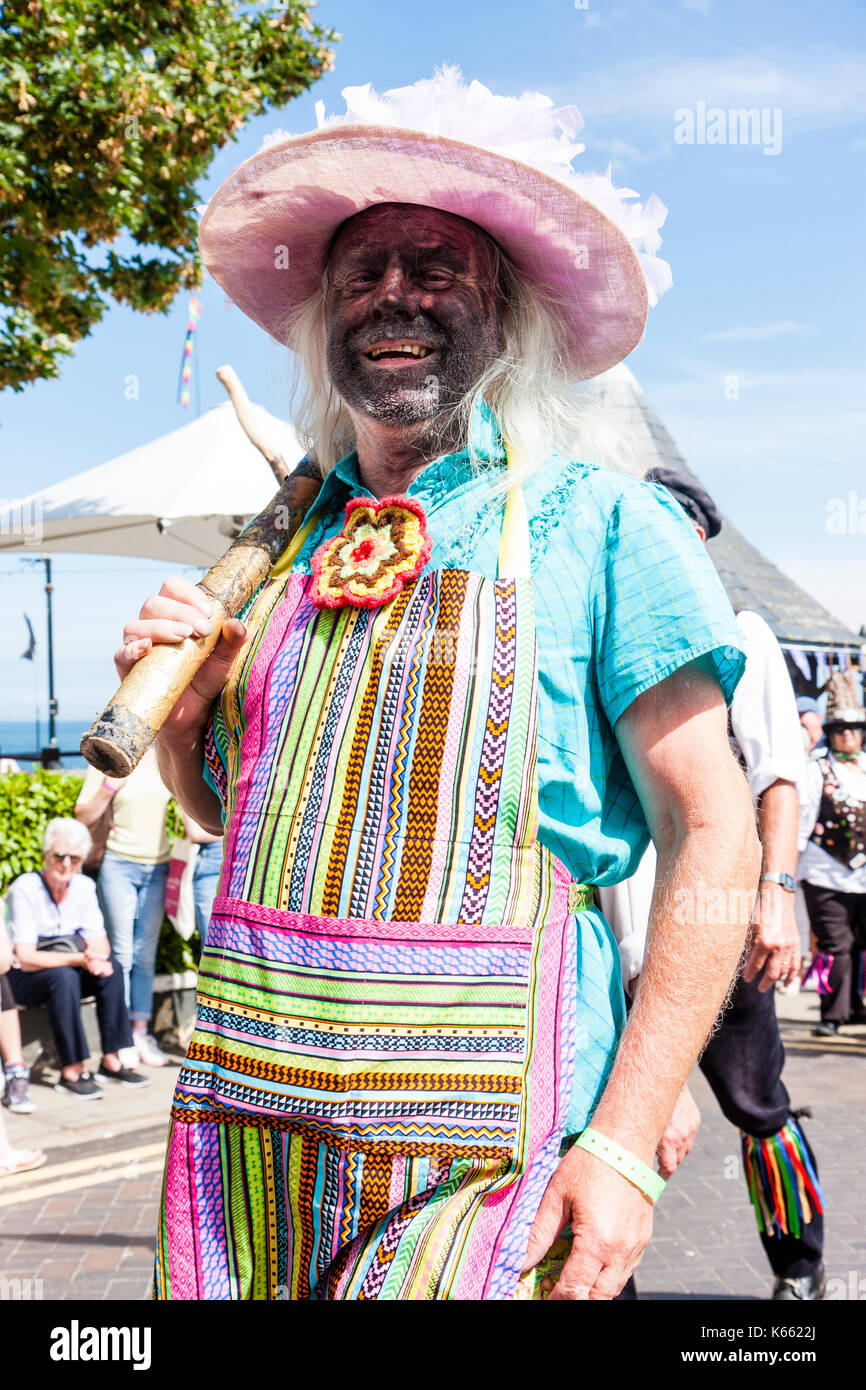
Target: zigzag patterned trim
x: 480, y: 1083
x: 429, y: 1145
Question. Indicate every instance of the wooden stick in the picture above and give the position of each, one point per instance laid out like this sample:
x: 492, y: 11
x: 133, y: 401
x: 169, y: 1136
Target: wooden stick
x: 250, y: 422
x: 119, y: 738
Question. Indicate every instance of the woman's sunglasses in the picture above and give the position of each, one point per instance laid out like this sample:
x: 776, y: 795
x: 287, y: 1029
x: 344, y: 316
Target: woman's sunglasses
x: 62, y: 858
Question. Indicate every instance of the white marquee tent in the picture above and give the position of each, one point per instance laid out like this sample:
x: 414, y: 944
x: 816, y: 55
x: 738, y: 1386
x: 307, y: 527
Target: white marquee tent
x: 180, y: 498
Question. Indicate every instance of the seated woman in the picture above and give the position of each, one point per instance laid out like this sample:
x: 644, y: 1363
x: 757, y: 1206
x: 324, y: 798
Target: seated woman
x: 62, y: 955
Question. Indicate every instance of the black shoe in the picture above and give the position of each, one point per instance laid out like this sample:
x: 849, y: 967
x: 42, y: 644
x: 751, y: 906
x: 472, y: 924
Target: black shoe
x: 807, y: 1288
x: 85, y: 1088
x: 125, y: 1076
x: 826, y: 1029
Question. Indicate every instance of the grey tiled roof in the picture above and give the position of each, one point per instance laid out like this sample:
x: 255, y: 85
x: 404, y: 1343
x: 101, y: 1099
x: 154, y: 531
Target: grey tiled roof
x: 751, y: 580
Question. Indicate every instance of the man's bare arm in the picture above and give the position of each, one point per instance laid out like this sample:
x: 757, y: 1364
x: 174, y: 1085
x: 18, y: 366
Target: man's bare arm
x: 700, y: 815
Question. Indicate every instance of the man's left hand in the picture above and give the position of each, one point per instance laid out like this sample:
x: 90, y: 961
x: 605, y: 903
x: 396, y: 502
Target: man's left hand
x: 611, y: 1222
x: 678, y: 1138
x: 775, y: 940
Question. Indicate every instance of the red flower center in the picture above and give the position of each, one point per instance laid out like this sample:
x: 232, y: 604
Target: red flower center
x: 362, y: 551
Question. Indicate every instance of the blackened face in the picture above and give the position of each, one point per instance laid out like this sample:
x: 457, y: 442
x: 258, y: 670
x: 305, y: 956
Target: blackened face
x: 413, y: 311
x: 845, y: 740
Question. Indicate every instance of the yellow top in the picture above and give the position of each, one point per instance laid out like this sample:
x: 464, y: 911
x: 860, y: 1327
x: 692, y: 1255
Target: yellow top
x: 138, y: 809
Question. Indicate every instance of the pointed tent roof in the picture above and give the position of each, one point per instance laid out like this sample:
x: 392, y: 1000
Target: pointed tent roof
x: 751, y: 580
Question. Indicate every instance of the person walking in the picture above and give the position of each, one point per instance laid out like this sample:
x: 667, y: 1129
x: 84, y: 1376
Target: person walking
x: 832, y: 864
x: 131, y: 883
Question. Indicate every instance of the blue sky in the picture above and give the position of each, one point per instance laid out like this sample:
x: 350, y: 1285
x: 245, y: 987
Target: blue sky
x: 754, y: 360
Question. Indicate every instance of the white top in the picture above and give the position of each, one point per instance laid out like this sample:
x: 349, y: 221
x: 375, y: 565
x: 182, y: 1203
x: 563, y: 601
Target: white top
x: 32, y: 912
x: 767, y: 727
x: 764, y: 713
x: 815, y: 864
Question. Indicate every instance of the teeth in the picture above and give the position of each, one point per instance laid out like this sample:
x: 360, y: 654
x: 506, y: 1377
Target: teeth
x: 413, y: 349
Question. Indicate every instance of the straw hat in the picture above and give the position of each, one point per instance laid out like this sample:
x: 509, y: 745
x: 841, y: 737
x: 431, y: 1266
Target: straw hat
x: 503, y: 163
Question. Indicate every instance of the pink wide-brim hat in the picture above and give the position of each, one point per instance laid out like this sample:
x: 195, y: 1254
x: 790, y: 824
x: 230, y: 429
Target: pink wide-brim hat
x: 267, y: 229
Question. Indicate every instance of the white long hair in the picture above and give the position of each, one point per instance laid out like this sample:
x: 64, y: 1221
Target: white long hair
x: 538, y: 409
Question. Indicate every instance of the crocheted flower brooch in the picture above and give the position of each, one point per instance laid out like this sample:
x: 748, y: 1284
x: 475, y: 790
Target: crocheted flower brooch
x: 382, y: 546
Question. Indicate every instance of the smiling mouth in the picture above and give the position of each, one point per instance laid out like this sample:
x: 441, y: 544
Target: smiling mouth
x: 397, y: 352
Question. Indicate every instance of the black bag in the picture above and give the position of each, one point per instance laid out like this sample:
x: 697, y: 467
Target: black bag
x: 70, y: 945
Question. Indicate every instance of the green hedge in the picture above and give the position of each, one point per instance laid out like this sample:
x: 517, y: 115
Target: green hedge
x: 28, y: 801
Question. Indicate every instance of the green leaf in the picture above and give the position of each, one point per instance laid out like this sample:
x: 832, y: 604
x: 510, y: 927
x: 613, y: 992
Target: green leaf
x: 72, y: 77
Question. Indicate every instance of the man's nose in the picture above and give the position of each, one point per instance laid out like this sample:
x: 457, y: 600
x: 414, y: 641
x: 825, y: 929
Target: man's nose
x: 395, y: 289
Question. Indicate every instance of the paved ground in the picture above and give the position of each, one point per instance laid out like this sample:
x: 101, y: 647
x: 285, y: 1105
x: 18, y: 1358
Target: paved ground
x: 84, y: 1223
x: 705, y: 1243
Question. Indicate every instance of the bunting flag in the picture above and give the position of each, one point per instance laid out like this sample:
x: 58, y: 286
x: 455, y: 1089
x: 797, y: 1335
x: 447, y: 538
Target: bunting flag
x: 31, y: 644
x: 193, y: 316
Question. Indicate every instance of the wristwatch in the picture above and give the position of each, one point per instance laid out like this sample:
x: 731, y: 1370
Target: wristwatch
x: 788, y: 883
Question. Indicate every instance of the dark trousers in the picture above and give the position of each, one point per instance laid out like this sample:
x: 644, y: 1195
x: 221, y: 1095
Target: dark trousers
x: 839, y: 923
x: 743, y: 1064
x: 61, y: 988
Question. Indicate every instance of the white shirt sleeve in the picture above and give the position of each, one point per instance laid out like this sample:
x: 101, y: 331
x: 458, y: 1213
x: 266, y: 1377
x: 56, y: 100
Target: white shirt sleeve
x: 809, y: 790
x: 21, y: 911
x: 626, y: 908
x: 764, y: 714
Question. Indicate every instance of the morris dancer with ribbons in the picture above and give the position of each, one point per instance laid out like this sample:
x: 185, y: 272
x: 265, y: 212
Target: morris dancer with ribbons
x: 832, y: 864
x: 484, y: 672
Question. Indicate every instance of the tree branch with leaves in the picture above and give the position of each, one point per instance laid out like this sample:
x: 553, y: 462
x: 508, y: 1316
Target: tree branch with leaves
x: 110, y: 112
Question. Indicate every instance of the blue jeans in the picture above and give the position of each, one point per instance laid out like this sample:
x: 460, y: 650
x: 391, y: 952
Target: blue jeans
x: 205, y: 881
x: 132, y: 899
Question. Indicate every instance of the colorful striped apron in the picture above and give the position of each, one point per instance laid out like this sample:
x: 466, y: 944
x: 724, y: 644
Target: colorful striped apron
x: 390, y: 1005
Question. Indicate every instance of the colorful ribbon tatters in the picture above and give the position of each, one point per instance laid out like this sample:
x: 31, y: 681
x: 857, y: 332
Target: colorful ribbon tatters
x: 783, y: 1184
x: 819, y: 970
x: 382, y: 546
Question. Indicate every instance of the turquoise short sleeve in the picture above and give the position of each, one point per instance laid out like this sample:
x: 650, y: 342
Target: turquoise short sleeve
x: 657, y: 601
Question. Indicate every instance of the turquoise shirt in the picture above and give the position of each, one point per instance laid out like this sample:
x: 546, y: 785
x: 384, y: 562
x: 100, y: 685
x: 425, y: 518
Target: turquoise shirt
x: 624, y: 593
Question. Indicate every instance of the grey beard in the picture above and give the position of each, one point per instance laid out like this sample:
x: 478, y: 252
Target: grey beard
x: 407, y: 405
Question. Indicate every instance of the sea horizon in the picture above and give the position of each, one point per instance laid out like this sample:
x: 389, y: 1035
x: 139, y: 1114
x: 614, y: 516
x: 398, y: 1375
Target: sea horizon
x: 19, y: 736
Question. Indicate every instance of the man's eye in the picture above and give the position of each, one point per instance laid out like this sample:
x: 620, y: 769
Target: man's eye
x: 438, y: 277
